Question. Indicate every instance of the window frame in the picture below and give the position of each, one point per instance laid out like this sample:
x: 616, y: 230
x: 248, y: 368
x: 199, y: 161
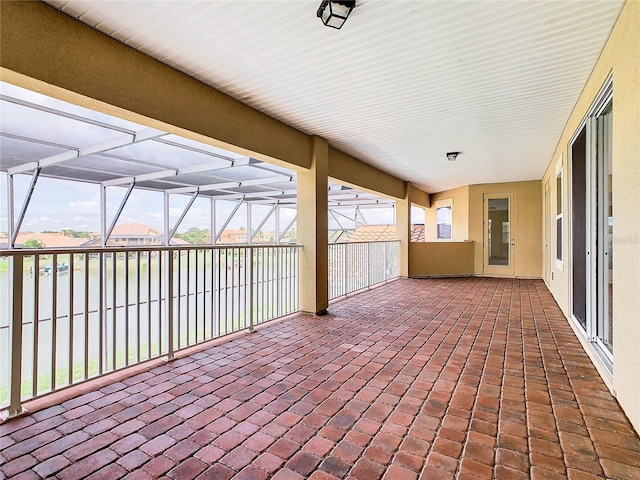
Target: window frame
x: 444, y: 203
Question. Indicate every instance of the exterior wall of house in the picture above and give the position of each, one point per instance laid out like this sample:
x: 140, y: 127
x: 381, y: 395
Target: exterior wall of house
x: 527, y: 221
x: 459, y: 212
x: 467, y: 224
x: 621, y: 59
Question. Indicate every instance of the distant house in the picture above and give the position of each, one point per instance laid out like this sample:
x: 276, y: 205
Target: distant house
x: 233, y: 236
x: 49, y: 240
x: 133, y: 235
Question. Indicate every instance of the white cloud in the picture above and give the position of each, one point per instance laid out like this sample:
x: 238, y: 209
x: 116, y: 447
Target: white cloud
x: 84, y: 206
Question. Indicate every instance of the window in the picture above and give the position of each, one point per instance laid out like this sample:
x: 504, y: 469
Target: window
x: 417, y: 223
x: 443, y: 219
x: 559, y: 214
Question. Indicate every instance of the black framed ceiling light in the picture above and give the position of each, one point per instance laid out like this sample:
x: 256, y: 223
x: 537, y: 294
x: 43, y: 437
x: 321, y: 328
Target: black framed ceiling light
x: 334, y: 13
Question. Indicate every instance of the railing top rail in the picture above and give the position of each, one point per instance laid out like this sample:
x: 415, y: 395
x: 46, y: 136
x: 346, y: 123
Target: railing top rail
x: 374, y: 241
x: 25, y: 252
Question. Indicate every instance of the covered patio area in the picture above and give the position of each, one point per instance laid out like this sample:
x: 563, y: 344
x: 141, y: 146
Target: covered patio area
x: 418, y: 378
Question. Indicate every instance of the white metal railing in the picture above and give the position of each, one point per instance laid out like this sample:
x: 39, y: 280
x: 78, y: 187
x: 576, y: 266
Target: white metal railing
x: 358, y: 265
x: 68, y: 315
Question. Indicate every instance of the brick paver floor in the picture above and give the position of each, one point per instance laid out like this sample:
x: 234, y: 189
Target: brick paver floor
x: 436, y: 379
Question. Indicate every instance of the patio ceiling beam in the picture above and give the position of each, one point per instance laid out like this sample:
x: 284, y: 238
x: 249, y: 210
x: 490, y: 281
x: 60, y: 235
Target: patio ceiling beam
x: 118, y: 213
x: 15, y: 228
x: 226, y: 222
x: 87, y: 150
x: 181, y: 218
x: 254, y: 233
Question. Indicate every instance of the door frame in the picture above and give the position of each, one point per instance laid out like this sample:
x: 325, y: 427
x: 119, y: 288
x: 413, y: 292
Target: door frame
x: 596, y: 283
x: 499, y: 270
x: 547, y: 233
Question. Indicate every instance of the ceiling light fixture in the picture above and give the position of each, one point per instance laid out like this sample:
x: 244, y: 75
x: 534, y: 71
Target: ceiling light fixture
x: 334, y: 13
x: 451, y: 156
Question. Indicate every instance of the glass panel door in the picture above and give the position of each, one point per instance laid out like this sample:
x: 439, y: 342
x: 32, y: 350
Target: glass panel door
x: 579, y: 250
x: 592, y: 229
x: 499, y: 235
x: 604, y: 324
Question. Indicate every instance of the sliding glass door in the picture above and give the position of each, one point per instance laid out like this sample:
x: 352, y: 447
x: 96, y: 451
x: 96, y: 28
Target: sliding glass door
x: 592, y: 227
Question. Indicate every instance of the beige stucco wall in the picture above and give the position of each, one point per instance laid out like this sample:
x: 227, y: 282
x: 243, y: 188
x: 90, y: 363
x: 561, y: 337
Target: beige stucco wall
x: 459, y: 214
x: 527, y: 215
x: 467, y: 225
x: 621, y: 58
x: 440, y: 258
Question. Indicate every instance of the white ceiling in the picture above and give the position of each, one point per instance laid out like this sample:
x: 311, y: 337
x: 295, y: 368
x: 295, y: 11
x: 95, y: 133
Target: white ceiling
x: 401, y: 84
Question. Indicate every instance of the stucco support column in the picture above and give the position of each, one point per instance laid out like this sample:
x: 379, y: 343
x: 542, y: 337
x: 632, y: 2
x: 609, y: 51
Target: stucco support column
x: 313, y: 225
x: 403, y: 230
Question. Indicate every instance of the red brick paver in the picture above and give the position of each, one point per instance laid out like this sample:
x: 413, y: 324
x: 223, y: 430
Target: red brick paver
x: 443, y: 378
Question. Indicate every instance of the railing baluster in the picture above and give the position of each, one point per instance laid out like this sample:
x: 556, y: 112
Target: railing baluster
x: 15, y: 371
x: 212, y: 288
x: 160, y: 304
x: 126, y: 308
x: 54, y: 320
x: 86, y: 318
x: 385, y: 261
x: 71, y: 318
x: 114, y: 312
x: 36, y: 324
x: 195, y: 294
x: 101, y: 312
x: 138, y: 303
x: 170, y: 304
x: 179, y: 295
x: 187, y: 299
x: 149, y: 303
x: 249, y: 270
